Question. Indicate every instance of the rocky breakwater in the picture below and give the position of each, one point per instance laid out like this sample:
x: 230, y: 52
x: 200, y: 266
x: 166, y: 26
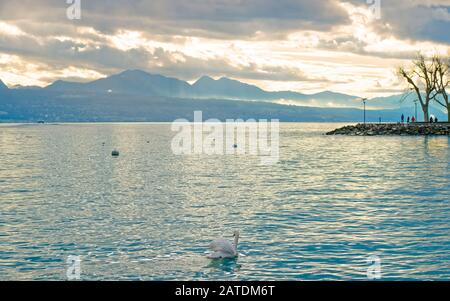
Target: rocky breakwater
x: 391, y: 129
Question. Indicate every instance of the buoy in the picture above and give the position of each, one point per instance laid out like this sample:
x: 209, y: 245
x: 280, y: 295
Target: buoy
x: 115, y: 153
x: 235, y: 145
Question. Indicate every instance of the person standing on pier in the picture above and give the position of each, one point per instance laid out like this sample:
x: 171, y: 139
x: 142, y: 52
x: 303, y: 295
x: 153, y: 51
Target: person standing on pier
x: 403, y: 118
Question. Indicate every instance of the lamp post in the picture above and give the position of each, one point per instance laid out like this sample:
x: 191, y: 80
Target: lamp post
x: 364, y: 103
x: 415, y: 108
x: 363, y: 99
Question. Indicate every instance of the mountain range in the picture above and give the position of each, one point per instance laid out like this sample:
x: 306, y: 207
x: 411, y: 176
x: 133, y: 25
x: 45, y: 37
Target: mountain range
x: 138, y: 82
x: 136, y: 95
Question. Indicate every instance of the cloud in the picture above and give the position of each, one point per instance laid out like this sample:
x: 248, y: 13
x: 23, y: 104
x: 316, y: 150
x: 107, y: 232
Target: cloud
x: 441, y: 14
x: 107, y: 59
x: 417, y: 20
x: 286, y: 44
x: 212, y: 18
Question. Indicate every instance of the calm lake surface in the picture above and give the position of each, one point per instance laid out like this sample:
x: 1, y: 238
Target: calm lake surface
x: 329, y: 204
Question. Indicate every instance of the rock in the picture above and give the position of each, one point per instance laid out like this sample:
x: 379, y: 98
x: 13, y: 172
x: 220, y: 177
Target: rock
x: 411, y: 129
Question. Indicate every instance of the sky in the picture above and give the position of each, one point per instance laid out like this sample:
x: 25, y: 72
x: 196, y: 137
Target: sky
x: 307, y: 46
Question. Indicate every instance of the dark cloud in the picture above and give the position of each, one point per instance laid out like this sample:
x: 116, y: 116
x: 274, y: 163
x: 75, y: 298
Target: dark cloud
x: 351, y: 44
x: 411, y: 19
x: 427, y: 20
x: 220, y: 18
x: 61, y: 54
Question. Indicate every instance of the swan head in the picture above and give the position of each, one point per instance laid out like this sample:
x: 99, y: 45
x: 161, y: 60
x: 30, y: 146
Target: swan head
x: 236, y: 234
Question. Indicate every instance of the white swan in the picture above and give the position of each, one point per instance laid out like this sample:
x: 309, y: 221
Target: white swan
x: 222, y: 248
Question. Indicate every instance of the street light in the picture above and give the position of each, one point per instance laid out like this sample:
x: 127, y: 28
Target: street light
x: 415, y: 108
x: 364, y: 103
x: 363, y: 99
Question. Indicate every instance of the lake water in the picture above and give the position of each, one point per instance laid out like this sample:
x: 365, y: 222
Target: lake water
x: 329, y: 204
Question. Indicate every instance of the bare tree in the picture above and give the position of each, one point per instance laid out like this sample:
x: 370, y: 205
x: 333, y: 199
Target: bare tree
x: 422, y: 74
x: 442, y: 81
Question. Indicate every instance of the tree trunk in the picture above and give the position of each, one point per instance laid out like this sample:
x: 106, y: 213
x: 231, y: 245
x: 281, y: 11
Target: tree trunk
x: 426, y: 116
x: 445, y: 95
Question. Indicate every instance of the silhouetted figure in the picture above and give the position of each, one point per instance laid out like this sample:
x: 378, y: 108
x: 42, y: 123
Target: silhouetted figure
x: 413, y: 119
x: 407, y: 120
x: 403, y: 118
x: 431, y: 119
x: 435, y: 119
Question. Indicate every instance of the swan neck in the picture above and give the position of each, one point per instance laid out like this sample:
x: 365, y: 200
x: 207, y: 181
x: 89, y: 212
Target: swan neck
x: 236, y: 240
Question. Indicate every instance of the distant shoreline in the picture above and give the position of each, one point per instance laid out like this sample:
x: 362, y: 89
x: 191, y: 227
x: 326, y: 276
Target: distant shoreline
x: 149, y: 122
x: 61, y: 122
x: 35, y: 122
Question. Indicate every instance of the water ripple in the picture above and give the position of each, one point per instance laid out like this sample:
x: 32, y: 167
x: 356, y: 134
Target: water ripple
x: 329, y: 204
